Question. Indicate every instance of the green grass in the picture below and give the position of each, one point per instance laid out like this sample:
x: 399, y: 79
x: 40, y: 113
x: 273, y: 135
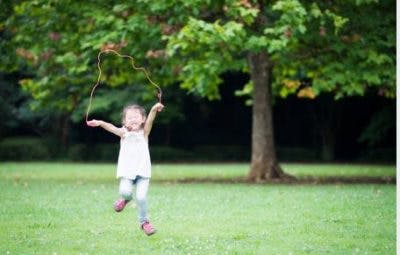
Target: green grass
x: 105, y: 172
x: 50, y: 208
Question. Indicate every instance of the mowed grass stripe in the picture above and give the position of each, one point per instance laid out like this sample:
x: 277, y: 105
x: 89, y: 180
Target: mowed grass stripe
x: 164, y: 172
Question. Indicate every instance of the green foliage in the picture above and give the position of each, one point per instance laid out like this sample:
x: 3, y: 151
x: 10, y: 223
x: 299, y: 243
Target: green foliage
x: 194, y: 42
x: 109, y: 153
x: 10, y: 95
x: 305, y: 41
x: 7, y: 62
x: 341, y: 47
x: 378, y: 155
x: 357, y: 58
x: 170, y: 154
x: 210, y: 47
x: 242, y: 11
x: 291, y: 22
x: 382, y: 122
x: 59, y: 45
x: 93, y: 153
x: 246, y: 91
x: 23, y: 148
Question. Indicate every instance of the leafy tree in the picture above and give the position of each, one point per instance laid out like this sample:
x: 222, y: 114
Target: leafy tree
x: 302, y: 47
x: 287, y: 46
x: 56, y: 43
x: 358, y: 60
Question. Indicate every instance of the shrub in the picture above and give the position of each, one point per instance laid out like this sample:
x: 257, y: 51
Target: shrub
x: 222, y: 153
x: 200, y: 153
x: 99, y: 152
x: 166, y: 153
x: 24, y: 148
x: 109, y: 152
x: 296, y: 154
x: 378, y: 155
x: 77, y: 152
x: 105, y: 152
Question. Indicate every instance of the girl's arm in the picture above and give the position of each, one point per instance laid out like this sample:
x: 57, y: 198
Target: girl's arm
x: 152, y: 115
x: 107, y: 126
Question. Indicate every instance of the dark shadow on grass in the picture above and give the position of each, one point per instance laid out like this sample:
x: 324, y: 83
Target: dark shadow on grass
x: 307, y: 180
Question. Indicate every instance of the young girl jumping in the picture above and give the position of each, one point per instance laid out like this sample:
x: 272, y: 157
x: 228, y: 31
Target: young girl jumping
x: 134, y: 166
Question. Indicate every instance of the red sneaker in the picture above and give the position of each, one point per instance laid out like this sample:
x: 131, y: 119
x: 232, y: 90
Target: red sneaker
x: 148, y: 228
x: 120, y: 204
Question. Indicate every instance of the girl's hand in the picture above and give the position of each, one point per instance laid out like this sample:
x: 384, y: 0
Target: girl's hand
x: 93, y: 123
x: 158, y: 106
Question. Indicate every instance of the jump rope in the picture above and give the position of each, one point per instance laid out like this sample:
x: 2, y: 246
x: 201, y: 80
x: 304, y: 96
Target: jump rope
x: 142, y: 69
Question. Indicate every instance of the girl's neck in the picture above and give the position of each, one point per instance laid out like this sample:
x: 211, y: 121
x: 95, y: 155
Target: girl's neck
x: 133, y: 130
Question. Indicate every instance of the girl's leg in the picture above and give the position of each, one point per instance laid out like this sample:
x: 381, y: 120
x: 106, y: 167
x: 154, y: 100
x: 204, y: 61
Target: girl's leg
x: 125, y: 188
x: 142, y: 185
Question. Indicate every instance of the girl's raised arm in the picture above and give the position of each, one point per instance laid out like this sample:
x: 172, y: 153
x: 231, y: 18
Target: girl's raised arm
x: 107, y: 126
x: 152, y: 115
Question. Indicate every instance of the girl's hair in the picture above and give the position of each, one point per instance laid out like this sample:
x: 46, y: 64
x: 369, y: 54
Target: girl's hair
x: 132, y: 107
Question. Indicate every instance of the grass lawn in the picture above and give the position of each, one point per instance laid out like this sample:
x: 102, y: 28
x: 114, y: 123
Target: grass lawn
x: 173, y: 172
x: 63, y: 208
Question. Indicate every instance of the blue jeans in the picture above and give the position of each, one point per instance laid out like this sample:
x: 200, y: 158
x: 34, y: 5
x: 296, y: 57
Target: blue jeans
x: 142, y: 185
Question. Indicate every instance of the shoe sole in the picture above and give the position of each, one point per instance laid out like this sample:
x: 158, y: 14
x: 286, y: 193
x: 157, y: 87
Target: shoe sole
x: 152, y: 233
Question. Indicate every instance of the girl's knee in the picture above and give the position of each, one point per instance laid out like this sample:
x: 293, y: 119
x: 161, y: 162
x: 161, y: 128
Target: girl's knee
x: 141, y: 199
x: 126, y: 194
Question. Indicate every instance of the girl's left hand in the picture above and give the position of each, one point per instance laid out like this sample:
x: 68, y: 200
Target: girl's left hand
x: 159, y: 107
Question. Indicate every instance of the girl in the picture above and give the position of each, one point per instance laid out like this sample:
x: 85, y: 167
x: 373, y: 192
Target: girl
x: 134, y: 166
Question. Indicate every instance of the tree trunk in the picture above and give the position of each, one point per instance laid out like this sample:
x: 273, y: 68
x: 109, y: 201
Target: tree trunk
x: 168, y: 133
x: 63, y: 131
x: 327, y: 143
x: 264, y: 163
x: 327, y: 121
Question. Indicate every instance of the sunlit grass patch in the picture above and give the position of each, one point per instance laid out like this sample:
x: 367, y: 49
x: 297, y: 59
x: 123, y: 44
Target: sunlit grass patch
x: 67, y: 209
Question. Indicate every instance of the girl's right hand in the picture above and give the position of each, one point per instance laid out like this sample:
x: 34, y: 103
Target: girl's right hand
x: 93, y: 123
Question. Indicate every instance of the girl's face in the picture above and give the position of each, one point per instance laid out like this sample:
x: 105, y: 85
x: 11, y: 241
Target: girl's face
x: 134, y: 120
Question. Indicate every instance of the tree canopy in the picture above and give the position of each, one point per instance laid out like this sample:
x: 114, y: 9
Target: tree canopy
x: 287, y: 46
x: 344, y: 48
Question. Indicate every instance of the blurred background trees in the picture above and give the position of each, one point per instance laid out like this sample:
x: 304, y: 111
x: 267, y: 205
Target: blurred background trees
x: 332, y: 76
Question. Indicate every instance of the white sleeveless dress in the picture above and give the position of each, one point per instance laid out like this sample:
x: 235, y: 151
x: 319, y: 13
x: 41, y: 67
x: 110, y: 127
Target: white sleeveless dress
x: 134, y: 156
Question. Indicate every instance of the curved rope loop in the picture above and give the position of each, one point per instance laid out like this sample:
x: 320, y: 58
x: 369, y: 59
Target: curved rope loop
x: 142, y: 69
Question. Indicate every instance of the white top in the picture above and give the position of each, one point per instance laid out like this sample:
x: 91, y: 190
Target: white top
x: 134, y: 156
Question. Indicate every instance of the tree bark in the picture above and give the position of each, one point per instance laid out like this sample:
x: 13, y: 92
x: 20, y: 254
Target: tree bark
x: 327, y: 122
x: 63, y: 131
x: 327, y: 143
x: 264, y: 163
